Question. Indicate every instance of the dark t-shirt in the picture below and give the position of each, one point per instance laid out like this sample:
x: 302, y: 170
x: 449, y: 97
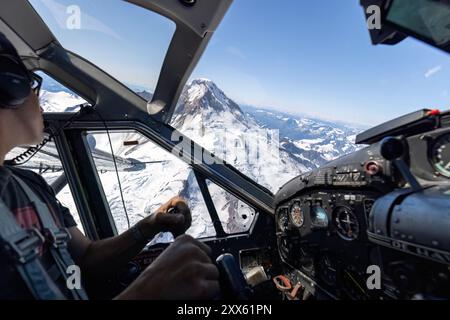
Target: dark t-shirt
x: 11, y: 284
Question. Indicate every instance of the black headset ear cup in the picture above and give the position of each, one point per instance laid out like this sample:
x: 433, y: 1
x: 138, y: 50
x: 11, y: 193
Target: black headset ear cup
x: 14, y: 84
x: 14, y: 77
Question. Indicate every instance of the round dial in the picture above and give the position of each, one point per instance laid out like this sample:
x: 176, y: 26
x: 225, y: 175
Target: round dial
x: 283, y: 220
x: 346, y: 223
x: 297, y: 215
x: 319, y: 217
x: 441, y: 155
x: 328, y: 271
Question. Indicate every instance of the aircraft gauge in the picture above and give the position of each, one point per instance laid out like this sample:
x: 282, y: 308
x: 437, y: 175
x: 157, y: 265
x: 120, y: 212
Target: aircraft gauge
x: 441, y: 155
x: 283, y: 219
x: 346, y: 223
x: 297, y: 215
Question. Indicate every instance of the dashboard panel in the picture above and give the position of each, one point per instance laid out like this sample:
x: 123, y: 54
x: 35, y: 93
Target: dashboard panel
x: 330, y: 243
x: 334, y: 222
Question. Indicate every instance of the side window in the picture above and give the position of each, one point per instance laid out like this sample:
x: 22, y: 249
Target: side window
x: 47, y: 164
x: 235, y: 215
x: 148, y: 177
x: 54, y: 97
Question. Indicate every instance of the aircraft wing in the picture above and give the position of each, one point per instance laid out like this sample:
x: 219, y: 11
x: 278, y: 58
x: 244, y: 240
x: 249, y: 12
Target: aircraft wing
x: 47, y: 160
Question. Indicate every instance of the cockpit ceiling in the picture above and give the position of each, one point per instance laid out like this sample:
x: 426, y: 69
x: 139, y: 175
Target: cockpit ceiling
x: 194, y: 27
x: 203, y: 17
x: 19, y: 17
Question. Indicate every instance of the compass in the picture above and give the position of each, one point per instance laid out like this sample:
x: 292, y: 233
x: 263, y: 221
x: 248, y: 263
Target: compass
x: 346, y: 223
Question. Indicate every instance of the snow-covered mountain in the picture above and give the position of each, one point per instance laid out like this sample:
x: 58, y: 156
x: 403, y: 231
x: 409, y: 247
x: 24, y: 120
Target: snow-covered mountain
x: 206, y: 115
x: 59, y: 101
x: 313, y: 142
x: 268, y: 146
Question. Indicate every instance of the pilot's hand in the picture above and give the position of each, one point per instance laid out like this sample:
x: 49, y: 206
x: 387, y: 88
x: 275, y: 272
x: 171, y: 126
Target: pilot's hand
x: 174, y: 216
x: 183, y: 271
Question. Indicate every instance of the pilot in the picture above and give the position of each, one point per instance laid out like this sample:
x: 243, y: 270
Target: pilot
x: 33, y: 255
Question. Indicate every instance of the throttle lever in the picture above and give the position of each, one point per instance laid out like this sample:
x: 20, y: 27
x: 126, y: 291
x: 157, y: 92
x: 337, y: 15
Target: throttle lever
x: 393, y: 149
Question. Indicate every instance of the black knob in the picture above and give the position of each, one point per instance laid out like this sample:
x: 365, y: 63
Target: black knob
x: 392, y: 148
x: 188, y: 3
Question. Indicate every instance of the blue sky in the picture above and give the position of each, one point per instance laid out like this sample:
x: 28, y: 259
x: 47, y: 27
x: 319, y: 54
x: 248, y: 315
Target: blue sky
x: 299, y: 56
x: 125, y: 40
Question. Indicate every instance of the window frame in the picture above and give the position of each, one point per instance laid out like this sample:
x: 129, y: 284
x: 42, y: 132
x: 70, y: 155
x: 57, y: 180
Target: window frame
x: 89, y: 196
x: 211, y: 209
x: 200, y: 178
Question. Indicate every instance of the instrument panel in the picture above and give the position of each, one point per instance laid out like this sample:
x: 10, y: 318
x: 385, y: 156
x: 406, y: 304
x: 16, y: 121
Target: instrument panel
x: 322, y: 235
x: 342, y: 213
x: 325, y: 228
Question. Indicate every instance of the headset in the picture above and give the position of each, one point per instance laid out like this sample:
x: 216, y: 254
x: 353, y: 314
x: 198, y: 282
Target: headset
x: 15, y: 87
x: 15, y: 79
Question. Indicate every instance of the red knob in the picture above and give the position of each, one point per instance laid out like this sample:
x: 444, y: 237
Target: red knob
x: 373, y: 168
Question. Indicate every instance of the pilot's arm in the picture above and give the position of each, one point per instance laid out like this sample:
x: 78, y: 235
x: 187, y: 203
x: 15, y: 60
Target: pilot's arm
x: 184, y: 270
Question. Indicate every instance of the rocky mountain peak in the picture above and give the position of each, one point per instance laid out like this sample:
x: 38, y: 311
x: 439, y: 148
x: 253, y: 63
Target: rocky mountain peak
x: 203, y: 98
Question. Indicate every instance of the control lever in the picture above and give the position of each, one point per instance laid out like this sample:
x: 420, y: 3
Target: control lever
x: 393, y: 149
x: 232, y: 279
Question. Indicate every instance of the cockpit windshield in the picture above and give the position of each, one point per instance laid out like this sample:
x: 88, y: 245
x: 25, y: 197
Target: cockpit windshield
x: 306, y: 73
x: 282, y: 88
x: 121, y: 38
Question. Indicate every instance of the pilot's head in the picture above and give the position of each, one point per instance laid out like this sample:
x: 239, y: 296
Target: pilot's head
x: 20, y: 114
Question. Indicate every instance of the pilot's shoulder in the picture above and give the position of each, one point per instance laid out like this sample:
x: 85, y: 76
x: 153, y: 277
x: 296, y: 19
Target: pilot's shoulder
x: 29, y: 176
